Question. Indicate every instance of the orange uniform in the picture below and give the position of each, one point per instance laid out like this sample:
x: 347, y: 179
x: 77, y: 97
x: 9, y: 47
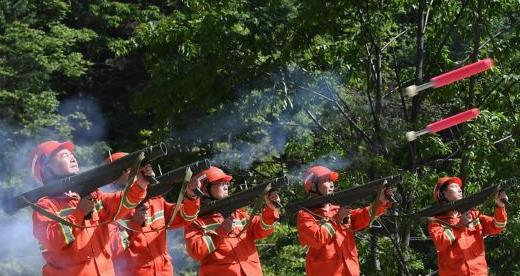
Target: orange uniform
x: 226, y: 254
x: 331, y: 246
x: 461, y: 250
x: 75, y: 251
x: 141, y: 249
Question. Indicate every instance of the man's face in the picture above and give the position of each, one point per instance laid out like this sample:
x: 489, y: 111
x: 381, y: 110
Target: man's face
x: 63, y: 163
x: 453, y: 192
x: 219, y: 189
x: 326, y: 187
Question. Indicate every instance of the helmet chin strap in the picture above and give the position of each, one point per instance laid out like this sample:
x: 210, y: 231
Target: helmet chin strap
x: 209, y: 195
x: 52, y: 176
x: 442, y: 196
x: 48, y: 174
x: 316, y: 189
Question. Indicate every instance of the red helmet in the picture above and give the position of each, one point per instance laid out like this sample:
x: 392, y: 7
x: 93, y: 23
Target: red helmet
x: 42, y: 153
x: 114, y: 156
x: 315, y: 174
x: 213, y: 174
x: 445, y: 180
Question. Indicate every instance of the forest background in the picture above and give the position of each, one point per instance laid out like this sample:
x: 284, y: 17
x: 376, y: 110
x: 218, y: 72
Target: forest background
x: 263, y: 89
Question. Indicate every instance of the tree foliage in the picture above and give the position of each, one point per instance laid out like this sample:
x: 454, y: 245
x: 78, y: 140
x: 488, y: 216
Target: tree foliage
x: 269, y: 88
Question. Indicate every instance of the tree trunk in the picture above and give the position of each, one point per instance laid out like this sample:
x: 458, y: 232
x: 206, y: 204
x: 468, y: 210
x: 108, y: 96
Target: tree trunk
x: 470, y: 100
x: 416, y: 107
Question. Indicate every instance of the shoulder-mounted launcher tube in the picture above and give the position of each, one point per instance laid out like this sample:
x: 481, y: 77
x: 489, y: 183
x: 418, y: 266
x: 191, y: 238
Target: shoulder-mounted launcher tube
x: 168, y: 180
x: 347, y: 197
x: 86, y: 182
x: 228, y: 205
x: 467, y: 203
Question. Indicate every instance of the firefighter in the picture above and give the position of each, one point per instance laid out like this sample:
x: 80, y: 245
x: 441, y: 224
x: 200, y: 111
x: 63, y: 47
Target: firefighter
x: 69, y: 250
x: 459, y: 238
x: 328, y: 231
x: 139, y: 241
x: 219, y: 243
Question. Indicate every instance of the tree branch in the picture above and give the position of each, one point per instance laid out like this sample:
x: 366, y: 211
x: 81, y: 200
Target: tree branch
x: 392, y: 40
x: 399, y: 85
x: 452, y: 27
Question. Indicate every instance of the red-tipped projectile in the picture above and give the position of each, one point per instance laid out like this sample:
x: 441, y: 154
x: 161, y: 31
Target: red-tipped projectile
x: 444, y: 123
x: 451, y: 76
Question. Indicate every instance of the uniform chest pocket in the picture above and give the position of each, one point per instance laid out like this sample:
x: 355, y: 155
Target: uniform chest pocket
x: 223, y: 251
x: 326, y: 252
x: 79, y: 250
x: 156, y: 221
x: 222, y: 245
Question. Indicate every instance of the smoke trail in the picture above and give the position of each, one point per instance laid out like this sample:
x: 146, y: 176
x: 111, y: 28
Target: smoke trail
x: 86, y: 117
x: 272, y: 142
x: 21, y: 254
x: 177, y: 250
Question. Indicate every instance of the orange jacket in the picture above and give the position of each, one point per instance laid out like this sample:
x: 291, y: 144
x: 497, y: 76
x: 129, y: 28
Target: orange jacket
x: 75, y: 251
x: 141, y: 250
x: 331, y: 246
x: 461, y: 250
x: 222, y: 254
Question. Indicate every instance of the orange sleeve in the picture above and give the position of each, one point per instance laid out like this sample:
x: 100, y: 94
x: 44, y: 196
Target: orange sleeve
x: 314, y: 234
x: 442, y: 236
x: 187, y: 213
x: 360, y: 218
x: 496, y: 224
x: 263, y: 225
x: 52, y: 234
x: 198, y: 243
x: 111, y: 201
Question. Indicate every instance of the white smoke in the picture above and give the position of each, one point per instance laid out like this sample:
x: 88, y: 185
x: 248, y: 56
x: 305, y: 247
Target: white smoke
x: 21, y: 254
x: 241, y: 155
x: 177, y: 250
x: 86, y: 116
